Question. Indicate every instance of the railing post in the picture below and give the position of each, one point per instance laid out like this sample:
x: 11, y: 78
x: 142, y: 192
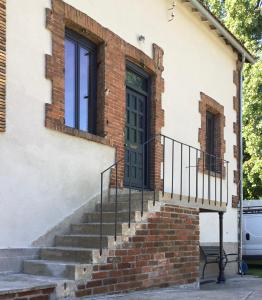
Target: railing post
x: 129, y: 192
x: 101, y: 213
x: 143, y: 178
x: 116, y: 201
x: 172, y: 189
x: 221, y: 182
x: 215, y: 158
x: 181, y: 171
x: 209, y: 179
x: 196, y: 175
x: 154, y: 184
x: 164, y: 146
x: 203, y: 179
x: 189, y: 171
x: 227, y: 183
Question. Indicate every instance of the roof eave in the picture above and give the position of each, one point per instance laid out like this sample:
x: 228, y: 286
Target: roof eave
x: 223, y: 31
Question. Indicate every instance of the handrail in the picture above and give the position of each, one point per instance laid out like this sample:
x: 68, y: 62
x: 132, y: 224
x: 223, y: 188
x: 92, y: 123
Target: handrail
x: 210, y: 163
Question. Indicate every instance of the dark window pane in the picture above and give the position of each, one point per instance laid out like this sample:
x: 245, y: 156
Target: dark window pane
x: 84, y: 89
x: 70, y: 78
x: 136, y: 81
x: 80, y: 85
x: 210, y: 140
x: 133, y: 118
x: 133, y: 102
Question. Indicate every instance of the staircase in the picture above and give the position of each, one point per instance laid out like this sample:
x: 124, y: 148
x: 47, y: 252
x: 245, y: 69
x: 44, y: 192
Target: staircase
x: 139, y: 247
x: 74, y: 254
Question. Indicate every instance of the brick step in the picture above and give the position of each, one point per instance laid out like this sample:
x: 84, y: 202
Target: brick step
x: 123, y: 206
x: 67, y: 254
x: 94, y: 228
x: 72, y: 271
x: 81, y: 241
x: 108, y: 217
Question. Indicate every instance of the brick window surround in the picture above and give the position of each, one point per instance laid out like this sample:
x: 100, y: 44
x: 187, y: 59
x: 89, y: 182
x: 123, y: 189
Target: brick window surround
x: 2, y: 64
x: 112, y: 55
x: 207, y: 104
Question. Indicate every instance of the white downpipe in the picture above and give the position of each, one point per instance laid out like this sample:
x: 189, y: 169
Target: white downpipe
x: 241, y: 159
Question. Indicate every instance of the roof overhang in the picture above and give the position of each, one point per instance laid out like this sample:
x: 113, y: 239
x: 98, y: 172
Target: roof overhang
x: 222, y: 31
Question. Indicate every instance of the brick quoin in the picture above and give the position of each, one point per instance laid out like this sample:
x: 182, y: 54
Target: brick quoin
x: 236, y: 129
x: 2, y: 64
x: 164, y: 251
x: 113, y: 53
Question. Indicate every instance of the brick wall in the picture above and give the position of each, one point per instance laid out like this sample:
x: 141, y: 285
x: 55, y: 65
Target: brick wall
x: 113, y: 52
x: 236, y: 129
x: 2, y: 63
x: 30, y: 294
x: 164, y: 251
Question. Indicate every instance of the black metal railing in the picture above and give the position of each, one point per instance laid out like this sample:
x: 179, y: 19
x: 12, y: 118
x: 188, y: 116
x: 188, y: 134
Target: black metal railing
x: 178, y: 176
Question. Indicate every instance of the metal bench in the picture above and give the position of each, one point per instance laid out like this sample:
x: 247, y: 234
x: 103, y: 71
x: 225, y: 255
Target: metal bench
x: 212, y: 255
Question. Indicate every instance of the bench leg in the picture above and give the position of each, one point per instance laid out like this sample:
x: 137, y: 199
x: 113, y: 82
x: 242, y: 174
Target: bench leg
x: 203, y: 271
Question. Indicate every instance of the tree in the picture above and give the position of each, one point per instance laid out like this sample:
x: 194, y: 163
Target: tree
x: 244, y: 19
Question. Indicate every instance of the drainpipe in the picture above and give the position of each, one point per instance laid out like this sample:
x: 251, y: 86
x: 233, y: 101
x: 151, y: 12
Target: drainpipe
x: 240, y: 246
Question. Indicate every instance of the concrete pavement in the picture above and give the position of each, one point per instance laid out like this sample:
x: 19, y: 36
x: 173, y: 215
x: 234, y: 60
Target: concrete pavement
x: 237, y: 288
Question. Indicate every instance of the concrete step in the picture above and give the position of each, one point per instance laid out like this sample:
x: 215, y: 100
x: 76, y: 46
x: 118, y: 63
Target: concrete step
x: 108, y: 217
x: 123, y: 206
x: 59, y: 269
x: 67, y: 254
x: 81, y: 241
x: 134, y: 196
x: 94, y: 228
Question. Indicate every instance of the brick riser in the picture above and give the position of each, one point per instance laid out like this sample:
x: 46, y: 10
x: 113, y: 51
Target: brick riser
x: 163, y: 251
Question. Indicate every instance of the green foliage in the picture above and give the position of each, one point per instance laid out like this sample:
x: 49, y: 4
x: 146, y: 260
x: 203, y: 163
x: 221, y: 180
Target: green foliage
x: 217, y: 7
x: 244, y: 20
x: 252, y: 131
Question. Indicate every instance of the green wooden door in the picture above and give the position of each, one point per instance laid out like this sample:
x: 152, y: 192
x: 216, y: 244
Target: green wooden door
x: 134, y: 137
x: 135, y: 134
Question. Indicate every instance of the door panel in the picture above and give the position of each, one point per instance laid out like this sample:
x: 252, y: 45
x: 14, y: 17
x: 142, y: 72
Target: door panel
x: 135, y: 136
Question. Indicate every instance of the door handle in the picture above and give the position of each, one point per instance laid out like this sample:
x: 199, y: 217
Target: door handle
x: 247, y: 236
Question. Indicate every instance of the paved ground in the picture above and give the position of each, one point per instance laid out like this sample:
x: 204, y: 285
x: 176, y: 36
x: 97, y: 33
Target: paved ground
x: 237, y: 288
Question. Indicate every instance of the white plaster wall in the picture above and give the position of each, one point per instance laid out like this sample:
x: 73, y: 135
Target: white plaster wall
x: 46, y: 174
x: 195, y: 60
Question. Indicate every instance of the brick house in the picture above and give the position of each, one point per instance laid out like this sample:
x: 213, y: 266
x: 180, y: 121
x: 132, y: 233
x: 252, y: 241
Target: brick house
x: 119, y: 143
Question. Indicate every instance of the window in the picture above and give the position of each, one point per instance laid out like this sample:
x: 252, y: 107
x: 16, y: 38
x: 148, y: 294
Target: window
x: 80, y: 82
x: 211, y: 136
